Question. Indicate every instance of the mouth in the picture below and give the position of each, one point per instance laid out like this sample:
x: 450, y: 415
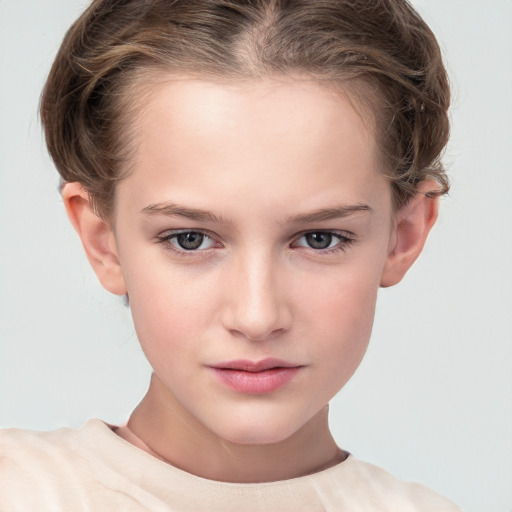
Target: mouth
x: 256, y: 378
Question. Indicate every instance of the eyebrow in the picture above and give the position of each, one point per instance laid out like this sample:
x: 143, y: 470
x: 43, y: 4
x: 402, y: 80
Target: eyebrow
x: 174, y: 210
x: 330, y: 213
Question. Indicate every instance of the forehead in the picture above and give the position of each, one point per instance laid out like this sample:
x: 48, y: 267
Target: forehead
x: 191, y: 94
x: 208, y: 101
x: 274, y: 135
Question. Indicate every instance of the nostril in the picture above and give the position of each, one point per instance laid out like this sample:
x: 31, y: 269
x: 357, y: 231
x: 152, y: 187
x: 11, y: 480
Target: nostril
x: 256, y: 335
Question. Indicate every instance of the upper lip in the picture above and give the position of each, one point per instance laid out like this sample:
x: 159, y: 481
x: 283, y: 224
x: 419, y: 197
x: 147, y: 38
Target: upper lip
x: 247, y: 365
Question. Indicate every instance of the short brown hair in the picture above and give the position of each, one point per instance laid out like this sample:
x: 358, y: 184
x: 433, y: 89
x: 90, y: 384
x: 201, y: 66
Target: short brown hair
x: 117, y: 43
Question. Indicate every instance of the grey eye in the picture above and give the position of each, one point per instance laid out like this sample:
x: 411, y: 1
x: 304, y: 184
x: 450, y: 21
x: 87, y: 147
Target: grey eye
x: 190, y: 240
x: 319, y: 240
x: 187, y: 241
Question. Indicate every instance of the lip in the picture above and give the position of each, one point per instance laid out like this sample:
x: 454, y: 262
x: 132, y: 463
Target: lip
x: 255, y: 377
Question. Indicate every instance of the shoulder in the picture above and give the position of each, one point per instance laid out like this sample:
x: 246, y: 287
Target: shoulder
x: 381, y: 490
x: 27, y: 447
x: 52, y: 470
x: 31, y: 450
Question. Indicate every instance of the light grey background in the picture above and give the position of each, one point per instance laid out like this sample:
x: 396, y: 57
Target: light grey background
x: 432, y: 401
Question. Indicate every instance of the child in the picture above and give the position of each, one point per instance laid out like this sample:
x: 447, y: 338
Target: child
x: 247, y: 174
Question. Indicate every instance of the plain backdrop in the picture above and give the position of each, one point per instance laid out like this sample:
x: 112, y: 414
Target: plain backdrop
x: 432, y: 402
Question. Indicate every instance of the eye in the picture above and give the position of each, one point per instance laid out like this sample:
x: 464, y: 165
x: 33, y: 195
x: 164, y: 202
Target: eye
x: 188, y: 240
x: 319, y: 240
x: 322, y: 240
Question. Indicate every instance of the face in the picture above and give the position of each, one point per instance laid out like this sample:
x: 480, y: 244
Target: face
x: 252, y: 234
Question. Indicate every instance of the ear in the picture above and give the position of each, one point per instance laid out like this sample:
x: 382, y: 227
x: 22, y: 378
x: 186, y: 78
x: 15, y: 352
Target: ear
x: 413, y: 223
x: 97, y: 238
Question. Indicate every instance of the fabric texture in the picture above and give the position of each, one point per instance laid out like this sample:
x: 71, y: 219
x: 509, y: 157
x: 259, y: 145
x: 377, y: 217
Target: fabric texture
x: 93, y: 469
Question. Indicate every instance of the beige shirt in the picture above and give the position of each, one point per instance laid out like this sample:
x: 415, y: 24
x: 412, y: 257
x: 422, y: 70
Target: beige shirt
x: 93, y: 469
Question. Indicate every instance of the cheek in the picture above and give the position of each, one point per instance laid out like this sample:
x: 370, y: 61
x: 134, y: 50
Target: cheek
x: 347, y: 314
x: 339, y: 318
x: 168, y: 306
x: 345, y: 295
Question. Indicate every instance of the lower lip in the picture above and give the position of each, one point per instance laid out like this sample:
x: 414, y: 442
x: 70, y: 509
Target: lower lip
x: 256, y: 383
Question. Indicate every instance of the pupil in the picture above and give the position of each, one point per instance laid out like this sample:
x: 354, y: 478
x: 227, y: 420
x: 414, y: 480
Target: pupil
x: 190, y: 241
x: 319, y: 240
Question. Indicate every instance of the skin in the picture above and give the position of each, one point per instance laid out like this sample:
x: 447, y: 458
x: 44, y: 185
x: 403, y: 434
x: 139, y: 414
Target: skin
x: 269, y: 161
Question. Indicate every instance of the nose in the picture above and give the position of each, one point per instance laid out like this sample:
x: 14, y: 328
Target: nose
x: 257, y: 303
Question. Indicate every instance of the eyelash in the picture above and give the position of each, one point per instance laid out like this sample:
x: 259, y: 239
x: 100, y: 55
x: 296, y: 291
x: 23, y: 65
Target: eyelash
x: 345, y: 240
x: 166, y: 240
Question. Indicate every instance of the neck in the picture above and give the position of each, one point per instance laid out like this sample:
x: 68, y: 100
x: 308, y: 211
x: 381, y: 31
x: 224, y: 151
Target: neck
x: 161, y: 427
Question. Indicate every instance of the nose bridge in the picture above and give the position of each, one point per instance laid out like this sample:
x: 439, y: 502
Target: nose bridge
x: 257, y: 304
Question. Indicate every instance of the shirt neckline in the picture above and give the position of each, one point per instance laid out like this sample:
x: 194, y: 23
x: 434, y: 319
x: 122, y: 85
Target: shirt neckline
x: 106, y: 439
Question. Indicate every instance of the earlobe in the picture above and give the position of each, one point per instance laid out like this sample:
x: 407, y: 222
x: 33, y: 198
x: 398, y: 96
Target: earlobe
x: 97, y: 238
x: 413, y: 224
